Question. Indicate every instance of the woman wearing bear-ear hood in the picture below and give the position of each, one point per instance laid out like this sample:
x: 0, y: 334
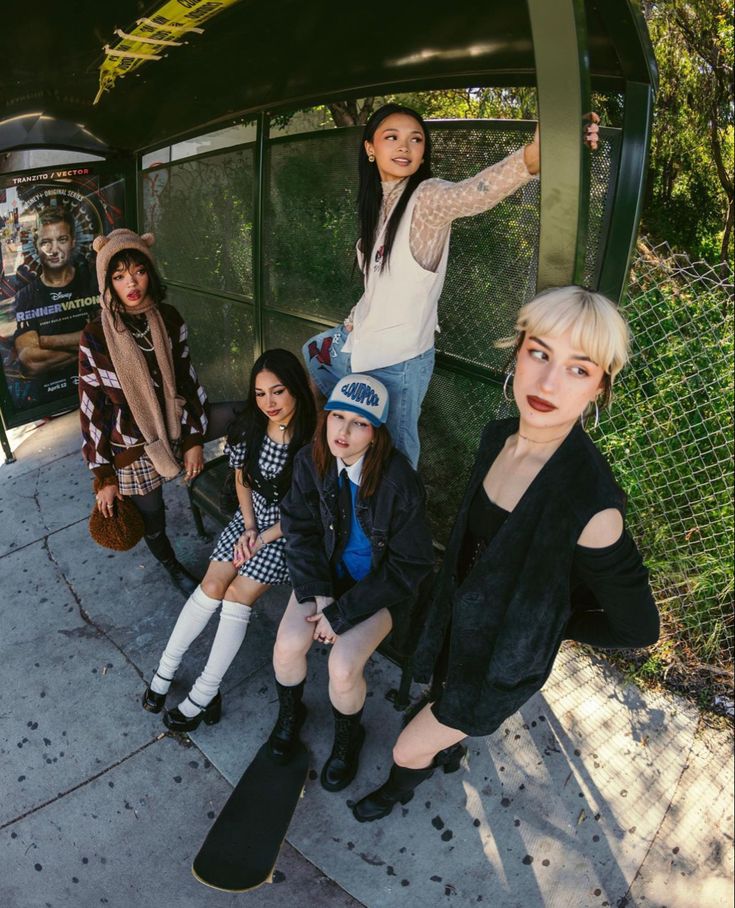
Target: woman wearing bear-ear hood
x: 144, y: 414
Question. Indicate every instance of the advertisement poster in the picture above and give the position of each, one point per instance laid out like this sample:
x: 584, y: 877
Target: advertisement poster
x: 48, y: 284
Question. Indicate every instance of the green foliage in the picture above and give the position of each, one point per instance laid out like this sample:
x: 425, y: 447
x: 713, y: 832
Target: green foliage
x: 670, y: 438
x: 690, y: 186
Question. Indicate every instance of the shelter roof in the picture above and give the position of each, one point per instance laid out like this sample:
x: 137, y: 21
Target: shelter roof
x: 256, y: 55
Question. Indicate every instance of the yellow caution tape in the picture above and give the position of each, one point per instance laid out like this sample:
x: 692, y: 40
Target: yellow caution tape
x: 165, y: 28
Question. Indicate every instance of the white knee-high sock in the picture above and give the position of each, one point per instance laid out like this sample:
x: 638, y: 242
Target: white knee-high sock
x: 233, y: 625
x: 195, y: 614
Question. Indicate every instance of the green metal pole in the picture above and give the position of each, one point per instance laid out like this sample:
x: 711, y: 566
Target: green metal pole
x: 259, y: 191
x: 562, y: 79
x: 628, y: 200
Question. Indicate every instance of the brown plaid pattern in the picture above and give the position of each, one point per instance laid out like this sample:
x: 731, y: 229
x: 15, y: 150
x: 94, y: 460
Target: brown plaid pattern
x: 107, y: 423
x: 140, y: 476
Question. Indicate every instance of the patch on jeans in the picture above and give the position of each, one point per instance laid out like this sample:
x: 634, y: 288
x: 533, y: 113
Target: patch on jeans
x: 322, y: 355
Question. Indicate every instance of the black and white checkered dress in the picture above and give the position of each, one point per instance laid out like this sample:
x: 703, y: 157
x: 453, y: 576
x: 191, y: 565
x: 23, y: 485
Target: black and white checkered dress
x: 268, y: 564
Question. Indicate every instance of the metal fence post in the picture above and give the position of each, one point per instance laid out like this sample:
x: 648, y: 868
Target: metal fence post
x: 562, y: 79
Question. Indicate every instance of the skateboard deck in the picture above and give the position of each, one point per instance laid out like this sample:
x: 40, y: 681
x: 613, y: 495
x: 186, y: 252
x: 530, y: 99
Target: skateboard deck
x: 242, y: 847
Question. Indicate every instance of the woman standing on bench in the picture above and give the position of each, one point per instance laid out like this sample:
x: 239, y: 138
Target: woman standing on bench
x: 278, y: 420
x: 144, y: 415
x: 539, y: 552
x: 358, y: 548
x: 405, y: 219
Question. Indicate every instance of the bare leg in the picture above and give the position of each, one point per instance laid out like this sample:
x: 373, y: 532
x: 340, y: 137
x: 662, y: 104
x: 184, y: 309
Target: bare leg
x: 347, y: 687
x: 422, y: 739
x: 293, y: 640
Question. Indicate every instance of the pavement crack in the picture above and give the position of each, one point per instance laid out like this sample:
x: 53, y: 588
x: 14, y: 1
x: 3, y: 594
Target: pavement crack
x: 97, y: 775
x: 48, y: 535
x: 654, y: 837
x: 84, y: 614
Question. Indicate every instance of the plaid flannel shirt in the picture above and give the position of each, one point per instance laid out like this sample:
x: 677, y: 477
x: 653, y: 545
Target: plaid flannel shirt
x: 108, y: 427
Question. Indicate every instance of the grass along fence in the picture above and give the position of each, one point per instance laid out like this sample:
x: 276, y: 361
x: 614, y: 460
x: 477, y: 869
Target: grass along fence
x: 669, y: 436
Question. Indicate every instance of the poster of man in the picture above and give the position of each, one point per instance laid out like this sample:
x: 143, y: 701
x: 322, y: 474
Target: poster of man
x: 48, y: 287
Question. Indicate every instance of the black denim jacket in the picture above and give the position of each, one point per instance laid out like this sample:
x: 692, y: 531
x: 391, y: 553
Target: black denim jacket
x: 393, y: 520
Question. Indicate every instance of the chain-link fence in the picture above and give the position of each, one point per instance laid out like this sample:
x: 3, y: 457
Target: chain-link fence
x: 669, y: 437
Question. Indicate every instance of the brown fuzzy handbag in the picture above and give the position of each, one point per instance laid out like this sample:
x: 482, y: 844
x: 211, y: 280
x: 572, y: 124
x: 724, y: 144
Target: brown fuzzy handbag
x: 122, y: 530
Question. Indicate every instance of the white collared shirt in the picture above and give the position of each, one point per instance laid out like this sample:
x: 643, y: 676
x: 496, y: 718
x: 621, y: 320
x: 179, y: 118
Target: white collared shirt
x: 354, y: 471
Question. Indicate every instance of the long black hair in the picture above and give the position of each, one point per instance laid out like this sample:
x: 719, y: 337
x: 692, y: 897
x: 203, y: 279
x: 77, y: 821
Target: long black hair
x: 131, y: 258
x: 370, y: 191
x: 250, y: 425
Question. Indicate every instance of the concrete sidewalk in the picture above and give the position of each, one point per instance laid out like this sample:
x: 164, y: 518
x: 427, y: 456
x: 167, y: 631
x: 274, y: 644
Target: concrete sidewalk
x: 595, y: 794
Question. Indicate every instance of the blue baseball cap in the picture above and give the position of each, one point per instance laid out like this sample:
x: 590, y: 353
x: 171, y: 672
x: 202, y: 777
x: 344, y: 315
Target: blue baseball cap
x: 361, y: 394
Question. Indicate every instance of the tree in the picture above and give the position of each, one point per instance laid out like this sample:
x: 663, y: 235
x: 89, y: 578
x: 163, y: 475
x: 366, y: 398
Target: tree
x: 690, y: 199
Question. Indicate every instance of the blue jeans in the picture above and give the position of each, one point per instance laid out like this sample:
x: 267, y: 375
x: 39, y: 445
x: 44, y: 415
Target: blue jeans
x: 407, y: 383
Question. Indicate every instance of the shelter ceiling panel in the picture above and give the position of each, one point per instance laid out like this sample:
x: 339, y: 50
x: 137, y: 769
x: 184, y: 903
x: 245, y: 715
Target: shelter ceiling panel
x: 256, y: 56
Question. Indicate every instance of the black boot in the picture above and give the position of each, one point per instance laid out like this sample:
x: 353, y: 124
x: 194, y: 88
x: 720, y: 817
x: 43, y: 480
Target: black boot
x: 401, y: 784
x: 291, y: 714
x: 341, y: 767
x: 162, y: 551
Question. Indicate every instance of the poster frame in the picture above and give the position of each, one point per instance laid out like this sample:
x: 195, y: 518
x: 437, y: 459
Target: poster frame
x: 124, y: 167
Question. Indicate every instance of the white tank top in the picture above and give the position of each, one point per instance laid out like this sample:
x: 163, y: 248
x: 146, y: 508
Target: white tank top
x: 396, y: 316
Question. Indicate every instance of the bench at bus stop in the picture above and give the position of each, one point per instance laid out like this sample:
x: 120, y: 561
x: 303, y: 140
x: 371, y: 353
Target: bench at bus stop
x: 209, y: 494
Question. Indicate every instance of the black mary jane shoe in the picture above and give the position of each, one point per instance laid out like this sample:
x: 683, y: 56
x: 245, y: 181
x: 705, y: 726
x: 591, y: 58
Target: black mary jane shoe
x: 152, y: 701
x: 176, y: 721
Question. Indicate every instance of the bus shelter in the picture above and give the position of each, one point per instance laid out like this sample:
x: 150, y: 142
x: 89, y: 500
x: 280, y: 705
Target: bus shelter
x: 255, y: 239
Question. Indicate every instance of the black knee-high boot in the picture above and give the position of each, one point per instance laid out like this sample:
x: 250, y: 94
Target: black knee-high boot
x: 341, y: 767
x: 291, y: 714
x: 401, y: 784
x: 162, y: 550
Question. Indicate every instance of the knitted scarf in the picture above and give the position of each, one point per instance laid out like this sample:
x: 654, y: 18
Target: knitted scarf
x: 132, y: 372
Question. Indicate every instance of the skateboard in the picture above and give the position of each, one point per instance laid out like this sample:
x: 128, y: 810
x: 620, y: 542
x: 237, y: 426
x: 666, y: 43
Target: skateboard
x: 242, y: 847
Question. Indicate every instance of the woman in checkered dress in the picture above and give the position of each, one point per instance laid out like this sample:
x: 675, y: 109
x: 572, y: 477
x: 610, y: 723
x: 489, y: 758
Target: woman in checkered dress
x: 278, y: 420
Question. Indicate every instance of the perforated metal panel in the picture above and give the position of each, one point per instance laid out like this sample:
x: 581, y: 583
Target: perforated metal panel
x: 221, y: 340
x: 201, y: 211
x: 311, y: 225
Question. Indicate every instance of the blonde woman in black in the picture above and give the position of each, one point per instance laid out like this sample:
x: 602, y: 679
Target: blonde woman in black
x: 539, y: 552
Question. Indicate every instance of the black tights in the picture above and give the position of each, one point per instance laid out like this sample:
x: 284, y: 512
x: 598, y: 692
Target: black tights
x: 151, y: 506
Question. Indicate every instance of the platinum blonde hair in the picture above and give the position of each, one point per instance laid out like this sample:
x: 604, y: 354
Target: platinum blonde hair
x: 597, y: 327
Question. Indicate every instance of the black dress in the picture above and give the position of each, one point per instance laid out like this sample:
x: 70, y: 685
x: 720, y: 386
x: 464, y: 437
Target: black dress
x: 505, y: 599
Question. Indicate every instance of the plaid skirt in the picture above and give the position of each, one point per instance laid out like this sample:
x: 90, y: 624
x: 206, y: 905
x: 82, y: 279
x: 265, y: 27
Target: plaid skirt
x: 141, y: 477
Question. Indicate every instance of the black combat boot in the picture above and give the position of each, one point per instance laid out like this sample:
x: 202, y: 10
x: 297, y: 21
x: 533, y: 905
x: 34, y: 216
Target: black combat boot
x: 291, y: 714
x: 341, y: 767
x: 401, y: 784
x: 162, y: 551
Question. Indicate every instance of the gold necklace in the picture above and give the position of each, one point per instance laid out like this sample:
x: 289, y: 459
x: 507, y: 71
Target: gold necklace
x: 547, y: 441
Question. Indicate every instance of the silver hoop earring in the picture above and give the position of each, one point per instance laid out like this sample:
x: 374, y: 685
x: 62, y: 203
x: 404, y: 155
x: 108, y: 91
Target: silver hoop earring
x: 508, y: 377
x: 371, y: 158
x: 597, y: 417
